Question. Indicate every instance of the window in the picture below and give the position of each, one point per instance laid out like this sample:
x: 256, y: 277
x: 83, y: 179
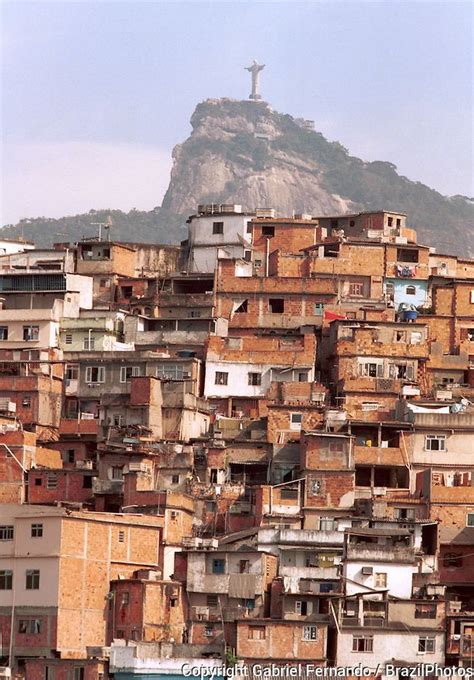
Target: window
x: 371, y: 370
x: 51, y: 481
x: 79, y: 672
x: 268, y: 231
x: 435, y: 442
x: 117, y: 420
x: 404, y: 513
x: 29, y: 626
x: 121, y: 536
x: 3, y: 332
x: 380, y: 579
x: 257, y: 264
x: 6, y: 579
x: 38, y: 481
x: 303, y: 376
x: 410, y: 290
x: 426, y: 645
x: 6, y: 532
x: 327, y: 524
x: 26, y: 402
x: 128, y: 372
x: 95, y: 374
x: 30, y: 333
x: 318, y: 309
x: 88, y: 343
x: 399, y: 222
x: 256, y: 632
x: 310, y: 633
x: 390, y: 221
x: 32, y: 579
x: 194, y: 313
x: 72, y: 371
x: 248, y: 228
x: 362, y: 643
x: 117, y: 472
x: 470, y: 519
x: 255, y: 379
x: 36, y: 530
x: 425, y: 611
x: 218, y: 227
x: 301, y: 607
x: 277, y: 305
x: 221, y: 378
x: 407, y: 255
x: 244, y: 566
x: 296, y: 420
x: 208, y: 631
x: 356, y: 289
x: 87, y: 482
x: 242, y: 308
x: 212, y: 601
x: 174, y: 479
x: 218, y: 566
x: 104, y: 283
x: 248, y: 255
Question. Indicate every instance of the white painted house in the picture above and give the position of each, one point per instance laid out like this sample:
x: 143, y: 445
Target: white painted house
x: 217, y: 231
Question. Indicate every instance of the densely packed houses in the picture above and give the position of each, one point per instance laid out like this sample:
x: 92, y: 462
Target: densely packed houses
x: 256, y: 447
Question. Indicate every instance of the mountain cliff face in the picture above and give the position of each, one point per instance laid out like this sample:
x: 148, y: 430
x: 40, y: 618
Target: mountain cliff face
x: 243, y: 152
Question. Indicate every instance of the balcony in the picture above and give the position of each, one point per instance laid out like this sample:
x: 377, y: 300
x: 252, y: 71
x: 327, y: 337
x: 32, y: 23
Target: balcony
x: 79, y: 426
x: 113, y: 487
x: 300, y: 537
x: 310, y: 572
x: 219, y: 583
x: 375, y: 455
x: 366, y: 552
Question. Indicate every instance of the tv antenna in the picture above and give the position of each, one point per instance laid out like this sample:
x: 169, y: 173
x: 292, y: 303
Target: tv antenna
x: 107, y: 224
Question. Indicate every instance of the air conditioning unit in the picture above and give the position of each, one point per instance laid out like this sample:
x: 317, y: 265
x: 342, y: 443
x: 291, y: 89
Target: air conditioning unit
x: 367, y: 571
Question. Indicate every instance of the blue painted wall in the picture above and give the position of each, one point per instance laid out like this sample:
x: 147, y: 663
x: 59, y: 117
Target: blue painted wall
x: 400, y: 294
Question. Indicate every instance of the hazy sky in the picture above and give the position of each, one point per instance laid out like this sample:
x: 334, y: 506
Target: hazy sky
x: 96, y: 94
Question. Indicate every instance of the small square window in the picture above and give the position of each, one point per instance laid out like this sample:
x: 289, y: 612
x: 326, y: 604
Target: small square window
x: 218, y: 227
x: 218, y: 566
x: 51, y: 481
x: 435, y: 442
x: 256, y: 633
x: 380, y: 579
x: 38, y: 481
x: 221, y: 378
x: 426, y: 645
x: 276, y: 305
x: 175, y: 479
x: 268, y: 231
x: 310, y: 633
x: 32, y: 579
x: 6, y: 579
x: 212, y: 601
x: 255, y: 379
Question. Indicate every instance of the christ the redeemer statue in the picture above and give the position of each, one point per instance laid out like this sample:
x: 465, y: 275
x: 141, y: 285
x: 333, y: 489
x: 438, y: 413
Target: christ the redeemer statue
x: 255, y: 70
